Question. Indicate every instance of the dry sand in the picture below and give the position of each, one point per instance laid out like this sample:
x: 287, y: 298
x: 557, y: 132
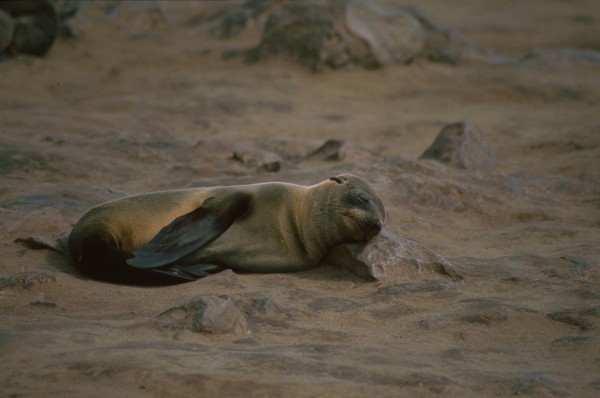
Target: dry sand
x: 137, y: 104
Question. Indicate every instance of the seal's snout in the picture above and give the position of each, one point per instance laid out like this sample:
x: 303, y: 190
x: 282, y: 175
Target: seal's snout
x: 374, y: 229
x: 377, y: 226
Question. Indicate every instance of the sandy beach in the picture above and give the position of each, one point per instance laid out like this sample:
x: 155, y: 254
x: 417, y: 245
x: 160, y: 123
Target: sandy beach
x: 144, y: 101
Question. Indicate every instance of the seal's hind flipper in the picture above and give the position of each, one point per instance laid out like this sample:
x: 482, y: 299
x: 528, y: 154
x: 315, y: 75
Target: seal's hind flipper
x: 101, y: 259
x: 192, y: 231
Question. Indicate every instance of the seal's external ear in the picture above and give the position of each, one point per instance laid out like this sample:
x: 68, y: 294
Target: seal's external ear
x: 339, y: 179
x: 192, y: 231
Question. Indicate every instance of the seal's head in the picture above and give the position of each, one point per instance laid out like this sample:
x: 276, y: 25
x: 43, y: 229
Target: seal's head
x: 355, y: 211
x: 360, y: 208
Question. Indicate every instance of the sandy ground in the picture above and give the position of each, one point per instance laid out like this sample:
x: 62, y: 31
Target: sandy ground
x: 137, y: 104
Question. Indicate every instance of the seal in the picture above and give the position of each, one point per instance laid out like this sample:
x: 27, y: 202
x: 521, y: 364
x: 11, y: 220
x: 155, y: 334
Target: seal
x: 183, y: 235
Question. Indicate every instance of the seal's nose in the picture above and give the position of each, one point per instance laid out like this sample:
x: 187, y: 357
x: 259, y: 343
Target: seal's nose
x: 374, y: 228
x: 377, y: 226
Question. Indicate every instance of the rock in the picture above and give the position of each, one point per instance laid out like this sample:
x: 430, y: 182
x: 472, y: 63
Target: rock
x: 339, y: 33
x: 6, y: 30
x: 388, y: 256
x: 207, y: 313
x: 461, y: 145
x: 394, y: 34
x: 311, y: 34
x: 231, y: 21
x: 448, y: 46
x: 334, y: 150
x: 225, y: 314
x: 254, y: 304
x: 68, y: 9
x: 260, y: 308
x: 138, y: 16
x: 257, y: 158
x: 331, y: 150
x: 33, y: 29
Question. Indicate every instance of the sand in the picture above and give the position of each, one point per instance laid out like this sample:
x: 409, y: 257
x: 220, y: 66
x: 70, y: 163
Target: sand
x: 139, y: 103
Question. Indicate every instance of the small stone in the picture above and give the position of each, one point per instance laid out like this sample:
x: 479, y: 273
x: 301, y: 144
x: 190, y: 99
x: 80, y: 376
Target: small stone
x: 461, y: 145
x: 331, y: 150
x: 256, y: 303
x: 260, y: 308
x: 257, y: 158
x: 206, y: 314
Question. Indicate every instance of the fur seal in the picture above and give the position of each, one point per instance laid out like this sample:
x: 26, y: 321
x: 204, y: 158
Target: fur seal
x: 183, y: 235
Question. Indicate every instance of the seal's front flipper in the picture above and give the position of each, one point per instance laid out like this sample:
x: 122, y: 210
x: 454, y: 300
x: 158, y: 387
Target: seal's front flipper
x: 192, y: 231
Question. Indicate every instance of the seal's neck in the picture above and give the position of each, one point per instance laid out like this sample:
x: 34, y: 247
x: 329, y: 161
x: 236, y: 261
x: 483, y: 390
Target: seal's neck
x: 317, y: 227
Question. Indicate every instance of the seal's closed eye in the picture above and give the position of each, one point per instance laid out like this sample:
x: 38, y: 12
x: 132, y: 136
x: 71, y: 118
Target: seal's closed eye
x: 356, y: 200
x: 339, y: 179
x: 363, y: 199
